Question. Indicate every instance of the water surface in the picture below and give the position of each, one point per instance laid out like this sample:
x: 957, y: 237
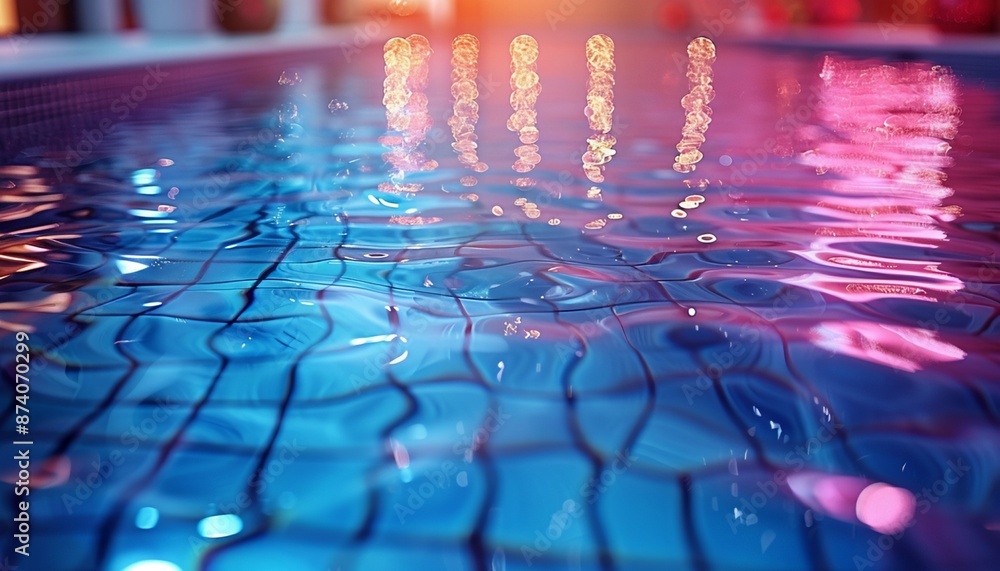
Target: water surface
x: 245, y: 354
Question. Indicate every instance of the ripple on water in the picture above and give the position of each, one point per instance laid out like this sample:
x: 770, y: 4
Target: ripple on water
x: 747, y: 257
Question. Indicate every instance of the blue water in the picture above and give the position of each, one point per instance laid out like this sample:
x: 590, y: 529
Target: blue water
x: 241, y: 360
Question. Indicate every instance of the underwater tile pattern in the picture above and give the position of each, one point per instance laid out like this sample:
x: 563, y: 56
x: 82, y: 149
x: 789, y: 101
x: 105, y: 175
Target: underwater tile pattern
x: 244, y: 358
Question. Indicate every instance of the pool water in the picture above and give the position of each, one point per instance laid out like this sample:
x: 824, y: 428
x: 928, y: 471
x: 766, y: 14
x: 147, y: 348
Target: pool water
x: 246, y: 355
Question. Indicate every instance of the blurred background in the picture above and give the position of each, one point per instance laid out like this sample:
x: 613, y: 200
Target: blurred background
x: 31, y: 17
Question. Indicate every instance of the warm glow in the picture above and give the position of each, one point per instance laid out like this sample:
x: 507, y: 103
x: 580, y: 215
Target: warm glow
x: 8, y: 17
x: 397, y: 94
x: 407, y: 118
x: 525, y: 90
x: 416, y: 82
x: 600, y: 106
x: 465, y: 91
x: 701, y: 55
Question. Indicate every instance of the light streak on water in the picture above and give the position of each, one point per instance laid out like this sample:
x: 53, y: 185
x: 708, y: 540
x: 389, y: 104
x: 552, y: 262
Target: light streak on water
x: 465, y: 91
x: 526, y: 88
x: 600, y: 106
x: 698, y: 115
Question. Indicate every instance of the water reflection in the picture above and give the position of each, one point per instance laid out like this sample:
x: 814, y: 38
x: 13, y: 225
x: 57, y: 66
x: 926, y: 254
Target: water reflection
x: 600, y: 106
x: 701, y: 55
x: 465, y: 92
x: 25, y: 245
x: 884, y: 508
x: 593, y: 342
x: 882, y: 151
x: 525, y: 87
x: 902, y: 348
x: 407, y: 68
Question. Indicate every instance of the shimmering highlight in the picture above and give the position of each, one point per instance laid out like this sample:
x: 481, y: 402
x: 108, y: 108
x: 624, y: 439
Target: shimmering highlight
x: 701, y: 55
x: 396, y: 92
x: 525, y: 88
x: 600, y: 106
x: 405, y: 101
x: 465, y: 109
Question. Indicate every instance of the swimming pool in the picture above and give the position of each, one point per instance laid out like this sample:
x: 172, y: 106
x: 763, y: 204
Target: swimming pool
x: 245, y: 353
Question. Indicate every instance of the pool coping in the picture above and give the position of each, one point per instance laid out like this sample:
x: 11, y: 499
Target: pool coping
x: 73, y: 54
x: 883, y: 38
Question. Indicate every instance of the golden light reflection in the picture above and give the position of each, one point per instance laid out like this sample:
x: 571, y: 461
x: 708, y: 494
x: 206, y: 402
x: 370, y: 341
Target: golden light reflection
x: 414, y: 220
x: 698, y: 115
x: 525, y: 88
x: 416, y: 107
x: 531, y: 210
x: 400, y: 187
x: 600, y: 106
x: 55, y: 303
x: 396, y: 94
x: 23, y: 246
x: 407, y: 65
x: 465, y: 110
x: 396, y: 91
x: 510, y: 327
x: 24, y: 196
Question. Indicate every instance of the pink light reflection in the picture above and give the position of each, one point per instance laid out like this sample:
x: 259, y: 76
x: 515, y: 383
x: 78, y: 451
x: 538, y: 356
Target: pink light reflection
x: 400, y: 454
x: 903, y: 348
x: 884, y: 508
x: 882, y: 152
